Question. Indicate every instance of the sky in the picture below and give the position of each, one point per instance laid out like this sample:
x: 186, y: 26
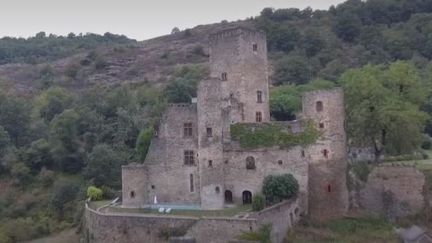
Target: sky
x: 137, y: 19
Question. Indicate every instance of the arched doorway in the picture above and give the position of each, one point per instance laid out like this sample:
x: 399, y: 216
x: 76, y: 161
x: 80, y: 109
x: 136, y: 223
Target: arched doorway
x: 228, y: 196
x: 247, y: 197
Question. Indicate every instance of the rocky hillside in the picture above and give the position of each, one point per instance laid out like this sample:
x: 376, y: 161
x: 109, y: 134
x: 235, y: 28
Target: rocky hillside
x: 151, y: 61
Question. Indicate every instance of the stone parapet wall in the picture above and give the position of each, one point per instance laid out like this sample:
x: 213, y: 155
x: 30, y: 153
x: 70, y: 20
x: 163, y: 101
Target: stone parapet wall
x: 137, y: 228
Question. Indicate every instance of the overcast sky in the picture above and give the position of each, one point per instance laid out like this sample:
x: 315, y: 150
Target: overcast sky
x: 138, y: 19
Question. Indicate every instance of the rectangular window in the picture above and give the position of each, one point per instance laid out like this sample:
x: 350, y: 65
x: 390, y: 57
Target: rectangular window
x: 209, y: 132
x: 258, y: 117
x: 189, y: 157
x: 224, y: 76
x: 187, y: 130
x: 259, y: 97
x: 192, y: 188
x: 255, y: 47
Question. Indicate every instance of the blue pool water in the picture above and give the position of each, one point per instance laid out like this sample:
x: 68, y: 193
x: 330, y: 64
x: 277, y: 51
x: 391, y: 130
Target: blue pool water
x: 174, y: 206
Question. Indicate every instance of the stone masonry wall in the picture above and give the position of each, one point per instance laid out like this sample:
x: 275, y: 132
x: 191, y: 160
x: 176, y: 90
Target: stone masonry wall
x: 393, y: 191
x: 137, y: 228
x: 164, y: 173
x: 272, y: 161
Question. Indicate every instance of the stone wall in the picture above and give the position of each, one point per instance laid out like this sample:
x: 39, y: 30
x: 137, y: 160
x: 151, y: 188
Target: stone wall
x: 134, y: 228
x: 282, y: 217
x: 270, y: 161
x: 164, y: 172
x: 393, y: 191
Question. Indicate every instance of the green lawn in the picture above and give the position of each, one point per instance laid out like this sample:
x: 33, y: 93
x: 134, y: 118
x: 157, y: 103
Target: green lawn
x: 227, y: 212
x: 348, y: 230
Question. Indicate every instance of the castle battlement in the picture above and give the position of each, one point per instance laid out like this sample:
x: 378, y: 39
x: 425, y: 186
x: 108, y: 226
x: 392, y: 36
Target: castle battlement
x: 238, y: 31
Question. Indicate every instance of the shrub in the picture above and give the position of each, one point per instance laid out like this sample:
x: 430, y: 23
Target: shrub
x: 280, y: 187
x: 361, y: 170
x: 94, y: 193
x: 143, y: 142
x: 258, y: 202
x: 262, y: 235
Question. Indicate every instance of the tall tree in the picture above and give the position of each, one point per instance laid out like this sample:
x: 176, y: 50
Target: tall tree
x: 383, y: 107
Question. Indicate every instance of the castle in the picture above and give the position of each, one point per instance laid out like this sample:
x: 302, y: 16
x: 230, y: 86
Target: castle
x: 193, y: 159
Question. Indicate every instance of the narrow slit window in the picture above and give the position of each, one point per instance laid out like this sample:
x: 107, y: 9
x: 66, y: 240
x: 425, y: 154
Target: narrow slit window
x: 192, y: 188
x: 209, y: 132
x: 224, y: 76
x: 210, y: 163
x: 255, y: 47
x: 319, y: 106
x: 329, y: 188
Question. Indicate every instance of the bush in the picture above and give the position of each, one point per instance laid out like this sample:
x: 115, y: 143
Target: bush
x: 280, y: 187
x: 361, y: 170
x: 258, y: 202
x: 94, y: 193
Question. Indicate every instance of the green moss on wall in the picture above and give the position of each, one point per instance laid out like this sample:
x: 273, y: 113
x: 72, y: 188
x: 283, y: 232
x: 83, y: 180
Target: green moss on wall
x: 272, y: 134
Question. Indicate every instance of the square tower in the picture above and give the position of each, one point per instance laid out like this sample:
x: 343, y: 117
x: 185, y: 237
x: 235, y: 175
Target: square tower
x: 238, y: 58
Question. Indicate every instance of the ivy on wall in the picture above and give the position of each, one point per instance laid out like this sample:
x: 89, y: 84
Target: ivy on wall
x: 252, y: 135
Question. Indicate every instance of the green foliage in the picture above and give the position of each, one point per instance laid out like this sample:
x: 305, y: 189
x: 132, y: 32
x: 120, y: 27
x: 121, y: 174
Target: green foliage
x: 63, y: 195
x: 382, y: 100
x: 52, y: 102
x: 292, y: 70
x: 168, y: 232
x: 103, y: 166
x: 47, y: 48
x: 285, y: 100
x: 143, y: 142
x: 262, y: 235
x: 279, y: 187
x: 361, y: 170
x: 15, y: 117
x: 94, y: 193
x: 258, y: 202
x: 271, y: 134
x: 183, y: 85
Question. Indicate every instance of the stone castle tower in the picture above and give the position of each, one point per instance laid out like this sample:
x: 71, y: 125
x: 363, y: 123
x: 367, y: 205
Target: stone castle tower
x: 237, y: 92
x: 328, y: 193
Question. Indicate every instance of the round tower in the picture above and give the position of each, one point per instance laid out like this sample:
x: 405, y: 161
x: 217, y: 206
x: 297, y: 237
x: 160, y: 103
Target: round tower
x: 328, y: 193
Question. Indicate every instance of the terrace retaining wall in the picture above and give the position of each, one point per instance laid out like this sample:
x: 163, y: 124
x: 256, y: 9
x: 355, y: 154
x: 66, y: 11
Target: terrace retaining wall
x: 134, y: 228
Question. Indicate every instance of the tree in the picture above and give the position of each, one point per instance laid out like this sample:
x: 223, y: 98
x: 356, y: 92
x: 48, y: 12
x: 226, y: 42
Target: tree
x: 279, y: 187
x: 175, y: 30
x: 347, y: 26
x: 258, y: 202
x: 65, y: 142
x: 104, y: 165
x: 94, y: 193
x: 15, y: 117
x: 52, y: 102
x: 64, y: 193
x: 292, y: 70
x: 143, y: 142
x: 383, y: 108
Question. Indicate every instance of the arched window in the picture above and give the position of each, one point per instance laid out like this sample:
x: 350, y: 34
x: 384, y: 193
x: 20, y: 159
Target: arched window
x: 247, y: 197
x: 228, y: 196
x: 319, y: 106
x: 250, y: 163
